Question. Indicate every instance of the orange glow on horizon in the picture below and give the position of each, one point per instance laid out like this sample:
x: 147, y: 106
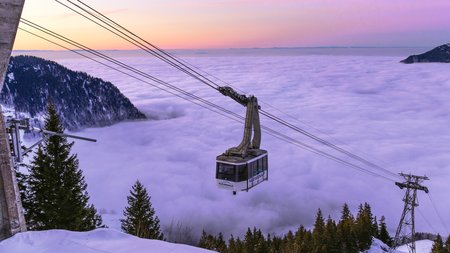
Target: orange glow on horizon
x: 184, y: 24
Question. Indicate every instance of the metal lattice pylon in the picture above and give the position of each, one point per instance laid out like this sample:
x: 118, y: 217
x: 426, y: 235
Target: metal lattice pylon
x: 406, y: 227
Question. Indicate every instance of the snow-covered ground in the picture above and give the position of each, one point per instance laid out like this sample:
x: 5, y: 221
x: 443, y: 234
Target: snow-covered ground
x: 112, y: 241
x: 423, y: 246
x: 99, y: 240
x: 394, y: 114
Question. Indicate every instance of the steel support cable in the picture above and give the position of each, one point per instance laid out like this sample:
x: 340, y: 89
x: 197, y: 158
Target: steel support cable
x: 121, y: 64
x: 172, y: 57
x: 427, y: 221
x: 327, y: 143
x: 237, y: 117
x: 125, y: 73
x: 359, y: 158
x: 438, y: 214
x: 181, y: 61
x: 324, y: 154
x: 137, y: 43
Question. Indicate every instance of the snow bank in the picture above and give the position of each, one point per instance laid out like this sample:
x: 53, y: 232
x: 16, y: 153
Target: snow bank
x: 379, y: 247
x: 95, y: 241
x: 423, y: 246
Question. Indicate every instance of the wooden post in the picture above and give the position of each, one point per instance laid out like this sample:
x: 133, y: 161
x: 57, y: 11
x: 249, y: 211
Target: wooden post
x: 12, y: 220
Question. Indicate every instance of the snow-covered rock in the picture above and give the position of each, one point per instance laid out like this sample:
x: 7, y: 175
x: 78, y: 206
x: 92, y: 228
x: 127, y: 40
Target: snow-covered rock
x: 95, y: 241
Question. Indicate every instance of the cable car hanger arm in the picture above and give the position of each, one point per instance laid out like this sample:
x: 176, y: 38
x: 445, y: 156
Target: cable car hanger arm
x: 252, y: 124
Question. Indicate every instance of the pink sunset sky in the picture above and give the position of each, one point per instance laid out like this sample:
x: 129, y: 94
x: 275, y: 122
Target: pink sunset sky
x: 253, y: 23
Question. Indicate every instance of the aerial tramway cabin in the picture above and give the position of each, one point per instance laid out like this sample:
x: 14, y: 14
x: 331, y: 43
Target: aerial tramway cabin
x: 242, y: 173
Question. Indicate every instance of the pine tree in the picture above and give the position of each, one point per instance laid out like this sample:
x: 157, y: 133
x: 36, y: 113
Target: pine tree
x: 438, y: 245
x: 239, y: 246
x: 289, y: 242
x: 140, y: 218
x: 232, y: 247
x: 330, y: 236
x: 364, y: 227
x: 220, y: 244
x: 56, y: 189
x: 249, y: 242
x: 375, y: 228
x: 345, y: 231
x: 260, y: 241
x: 319, y: 233
x: 447, y: 245
x: 383, y: 234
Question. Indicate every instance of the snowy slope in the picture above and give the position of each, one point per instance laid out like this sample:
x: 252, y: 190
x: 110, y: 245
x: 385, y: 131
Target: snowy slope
x: 99, y: 240
x: 379, y: 247
x: 423, y: 246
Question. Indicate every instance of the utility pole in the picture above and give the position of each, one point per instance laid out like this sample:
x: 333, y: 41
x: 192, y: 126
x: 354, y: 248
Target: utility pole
x: 406, y: 227
x: 12, y: 220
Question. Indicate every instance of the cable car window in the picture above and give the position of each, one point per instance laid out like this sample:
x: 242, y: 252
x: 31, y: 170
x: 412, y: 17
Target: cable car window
x: 226, y: 172
x: 241, y: 172
x: 253, y: 168
x: 260, y: 165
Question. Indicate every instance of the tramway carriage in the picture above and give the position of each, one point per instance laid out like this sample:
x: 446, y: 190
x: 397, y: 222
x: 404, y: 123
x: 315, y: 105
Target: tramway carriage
x: 245, y: 166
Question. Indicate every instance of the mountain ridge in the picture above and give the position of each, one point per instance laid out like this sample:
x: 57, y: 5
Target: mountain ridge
x: 437, y: 54
x: 81, y: 100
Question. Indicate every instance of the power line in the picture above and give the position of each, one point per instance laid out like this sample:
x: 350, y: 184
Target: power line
x: 192, y: 98
x: 119, y: 63
x: 131, y: 40
x: 168, y: 58
x: 125, y: 73
x: 326, y: 143
x: 438, y: 214
x: 426, y: 221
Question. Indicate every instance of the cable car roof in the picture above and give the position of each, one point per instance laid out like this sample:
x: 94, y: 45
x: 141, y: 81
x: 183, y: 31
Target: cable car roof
x: 253, y: 155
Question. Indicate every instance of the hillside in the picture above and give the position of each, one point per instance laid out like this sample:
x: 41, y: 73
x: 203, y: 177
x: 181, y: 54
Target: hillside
x: 438, y: 54
x: 95, y: 241
x: 82, y: 100
x: 422, y: 246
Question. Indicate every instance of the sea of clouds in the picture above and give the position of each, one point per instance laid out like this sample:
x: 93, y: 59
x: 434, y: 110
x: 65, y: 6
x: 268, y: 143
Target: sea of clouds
x: 396, y: 115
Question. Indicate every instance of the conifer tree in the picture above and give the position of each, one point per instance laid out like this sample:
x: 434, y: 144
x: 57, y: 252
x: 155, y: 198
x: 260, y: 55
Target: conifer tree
x: 345, y: 231
x: 239, y: 246
x: 204, y: 241
x: 364, y: 227
x: 319, y: 233
x: 300, y: 239
x: 375, y: 228
x: 383, y: 234
x: 447, y: 245
x: 330, y: 236
x: 438, y: 245
x: 140, y: 218
x: 289, y: 242
x: 232, y: 247
x: 220, y: 244
x: 56, y: 189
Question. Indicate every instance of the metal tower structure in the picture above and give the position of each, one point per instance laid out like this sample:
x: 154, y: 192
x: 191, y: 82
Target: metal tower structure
x: 406, y: 227
x: 12, y: 220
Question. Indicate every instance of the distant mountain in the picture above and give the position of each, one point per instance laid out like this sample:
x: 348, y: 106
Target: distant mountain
x: 438, y: 54
x: 82, y: 100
